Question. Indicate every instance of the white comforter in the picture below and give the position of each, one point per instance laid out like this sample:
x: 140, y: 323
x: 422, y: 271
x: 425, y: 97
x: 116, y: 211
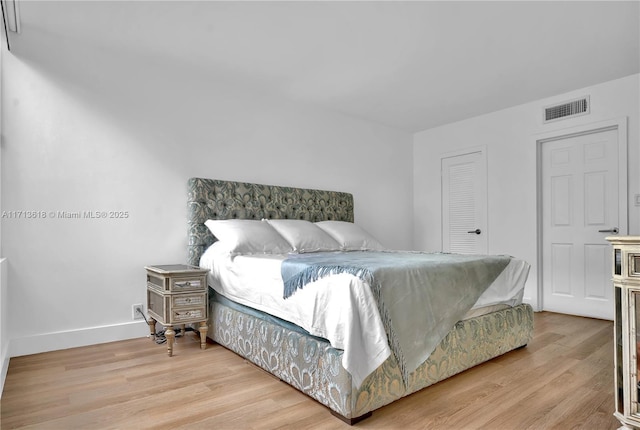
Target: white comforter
x: 352, y: 322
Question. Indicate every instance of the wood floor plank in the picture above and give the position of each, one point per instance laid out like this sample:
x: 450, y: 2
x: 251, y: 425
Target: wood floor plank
x: 562, y: 380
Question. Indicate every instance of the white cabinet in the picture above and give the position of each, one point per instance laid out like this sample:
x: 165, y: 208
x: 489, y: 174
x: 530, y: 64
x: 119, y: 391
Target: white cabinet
x: 626, y: 282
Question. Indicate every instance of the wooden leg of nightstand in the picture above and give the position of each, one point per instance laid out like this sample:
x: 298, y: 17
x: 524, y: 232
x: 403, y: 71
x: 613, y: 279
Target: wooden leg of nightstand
x: 203, y: 334
x: 171, y: 336
x: 152, y: 327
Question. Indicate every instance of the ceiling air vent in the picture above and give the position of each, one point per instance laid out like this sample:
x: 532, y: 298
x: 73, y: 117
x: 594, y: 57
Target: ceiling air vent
x: 568, y: 109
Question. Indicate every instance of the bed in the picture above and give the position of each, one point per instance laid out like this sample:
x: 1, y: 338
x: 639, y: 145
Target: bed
x: 308, y: 362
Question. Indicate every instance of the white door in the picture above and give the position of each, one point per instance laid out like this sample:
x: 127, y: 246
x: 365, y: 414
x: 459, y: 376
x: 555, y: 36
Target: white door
x: 464, y: 203
x: 580, y: 208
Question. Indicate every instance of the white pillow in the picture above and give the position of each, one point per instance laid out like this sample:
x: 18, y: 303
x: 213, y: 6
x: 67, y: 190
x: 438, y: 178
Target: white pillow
x: 350, y: 236
x: 245, y: 236
x: 304, y: 236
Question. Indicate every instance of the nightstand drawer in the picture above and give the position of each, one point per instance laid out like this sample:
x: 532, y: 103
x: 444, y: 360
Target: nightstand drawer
x: 189, y: 315
x: 187, y: 284
x: 177, y: 284
x: 191, y: 300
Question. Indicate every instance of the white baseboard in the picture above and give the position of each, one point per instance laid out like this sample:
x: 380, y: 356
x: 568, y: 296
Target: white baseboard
x: 75, y: 338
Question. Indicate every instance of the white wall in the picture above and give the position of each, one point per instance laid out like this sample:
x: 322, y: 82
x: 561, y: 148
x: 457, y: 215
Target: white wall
x: 4, y: 305
x: 510, y: 138
x: 87, y: 129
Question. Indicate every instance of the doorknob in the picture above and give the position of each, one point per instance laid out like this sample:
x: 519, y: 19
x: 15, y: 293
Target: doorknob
x: 613, y: 230
x: 476, y: 231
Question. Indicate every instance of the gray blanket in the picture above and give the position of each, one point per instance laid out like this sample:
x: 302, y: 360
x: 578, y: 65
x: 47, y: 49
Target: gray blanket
x: 420, y: 296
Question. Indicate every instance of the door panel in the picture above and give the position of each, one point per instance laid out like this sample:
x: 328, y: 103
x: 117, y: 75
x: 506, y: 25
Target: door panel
x: 580, y: 192
x: 464, y: 202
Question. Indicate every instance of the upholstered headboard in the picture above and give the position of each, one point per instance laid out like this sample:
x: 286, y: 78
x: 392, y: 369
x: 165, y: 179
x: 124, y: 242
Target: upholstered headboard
x: 217, y: 199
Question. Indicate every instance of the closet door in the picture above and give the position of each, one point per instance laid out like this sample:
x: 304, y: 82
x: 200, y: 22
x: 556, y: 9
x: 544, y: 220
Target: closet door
x: 464, y: 202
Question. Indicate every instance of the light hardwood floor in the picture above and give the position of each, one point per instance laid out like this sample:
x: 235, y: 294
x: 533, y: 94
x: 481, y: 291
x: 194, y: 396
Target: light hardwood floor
x: 563, y: 380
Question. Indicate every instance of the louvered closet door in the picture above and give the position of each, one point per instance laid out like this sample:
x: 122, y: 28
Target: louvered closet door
x: 464, y: 203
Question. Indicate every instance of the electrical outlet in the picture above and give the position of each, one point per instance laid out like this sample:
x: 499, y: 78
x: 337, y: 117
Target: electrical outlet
x: 137, y: 312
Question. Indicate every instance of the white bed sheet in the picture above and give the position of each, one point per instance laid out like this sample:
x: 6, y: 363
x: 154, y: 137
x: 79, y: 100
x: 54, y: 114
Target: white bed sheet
x: 352, y: 322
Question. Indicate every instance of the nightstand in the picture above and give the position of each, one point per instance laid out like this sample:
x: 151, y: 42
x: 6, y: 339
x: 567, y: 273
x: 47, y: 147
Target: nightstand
x: 177, y: 294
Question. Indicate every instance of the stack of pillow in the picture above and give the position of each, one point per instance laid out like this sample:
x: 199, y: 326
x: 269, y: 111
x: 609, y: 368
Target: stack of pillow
x: 283, y: 236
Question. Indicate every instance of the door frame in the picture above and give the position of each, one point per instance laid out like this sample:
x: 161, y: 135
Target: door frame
x: 482, y: 149
x: 619, y: 124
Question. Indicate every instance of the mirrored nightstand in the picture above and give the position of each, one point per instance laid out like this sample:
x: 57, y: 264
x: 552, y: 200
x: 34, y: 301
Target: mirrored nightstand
x: 177, y: 295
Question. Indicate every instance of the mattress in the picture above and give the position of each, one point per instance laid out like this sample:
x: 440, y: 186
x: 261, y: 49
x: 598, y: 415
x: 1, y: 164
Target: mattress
x: 334, y: 307
x: 256, y: 281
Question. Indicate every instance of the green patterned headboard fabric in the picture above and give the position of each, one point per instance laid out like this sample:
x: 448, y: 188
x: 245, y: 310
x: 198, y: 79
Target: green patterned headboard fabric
x: 218, y: 199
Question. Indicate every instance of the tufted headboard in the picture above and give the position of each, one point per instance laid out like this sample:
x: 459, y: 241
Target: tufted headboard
x: 217, y: 199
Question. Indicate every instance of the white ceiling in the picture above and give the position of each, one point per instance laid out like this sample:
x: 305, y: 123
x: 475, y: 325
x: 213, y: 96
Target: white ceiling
x: 409, y: 65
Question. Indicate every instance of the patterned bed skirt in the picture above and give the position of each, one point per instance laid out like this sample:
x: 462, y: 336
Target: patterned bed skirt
x: 312, y: 366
